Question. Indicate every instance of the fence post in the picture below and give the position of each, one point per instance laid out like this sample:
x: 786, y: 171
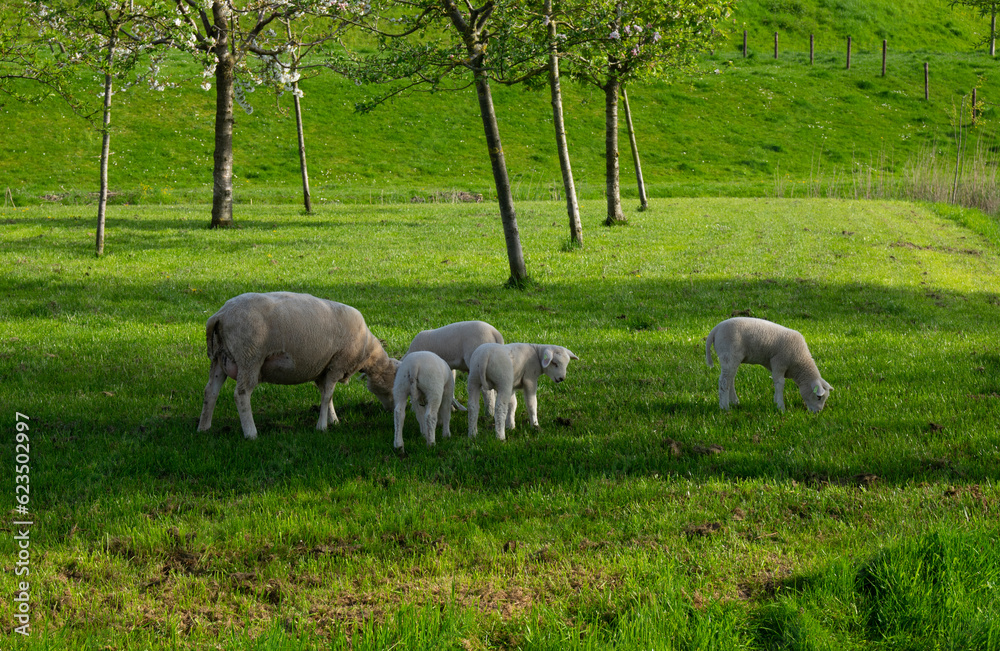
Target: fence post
x: 811, y: 49
x: 776, y: 45
x: 885, y: 47
x: 744, y: 43
x: 848, y: 52
x: 927, y: 80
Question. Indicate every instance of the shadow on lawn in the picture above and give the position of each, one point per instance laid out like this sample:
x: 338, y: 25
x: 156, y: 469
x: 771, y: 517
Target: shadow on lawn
x: 639, y: 342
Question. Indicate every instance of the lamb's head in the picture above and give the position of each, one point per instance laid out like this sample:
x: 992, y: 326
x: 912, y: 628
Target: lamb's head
x: 815, y: 394
x: 555, y: 360
x: 379, y: 380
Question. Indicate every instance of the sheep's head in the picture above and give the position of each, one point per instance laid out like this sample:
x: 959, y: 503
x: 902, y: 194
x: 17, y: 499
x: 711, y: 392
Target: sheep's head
x: 380, y: 380
x: 555, y: 360
x: 815, y: 394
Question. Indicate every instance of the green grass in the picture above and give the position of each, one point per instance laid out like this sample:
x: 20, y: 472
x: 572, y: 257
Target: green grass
x: 733, y: 127
x: 639, y: 515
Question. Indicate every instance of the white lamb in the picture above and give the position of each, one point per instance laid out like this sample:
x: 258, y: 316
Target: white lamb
x: 427, y: 381
x: 507, y: 368
x: 744, y: 340
x: 286, y: 338
x: 455, y: 343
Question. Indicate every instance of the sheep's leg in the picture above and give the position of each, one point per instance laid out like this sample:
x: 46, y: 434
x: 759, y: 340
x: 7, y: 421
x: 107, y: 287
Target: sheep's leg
x: 500, y: 419
x: 778, y: 375
x: 473, y: 406
x: 531, y: 402
x: 512, y: 408
x: 727, y: 388
x: 490, y: 397
x: 399, y: 414
x: 216, y: 378
x: 246, y: 382
x: 505, y: 402
x: 327, y: 414
x: 444, y: 416
x: 431, y: 411
x: 419, y: 403
x: 455, y: 404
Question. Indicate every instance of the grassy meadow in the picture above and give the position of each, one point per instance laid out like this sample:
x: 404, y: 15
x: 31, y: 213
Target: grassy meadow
x: 638, y: 516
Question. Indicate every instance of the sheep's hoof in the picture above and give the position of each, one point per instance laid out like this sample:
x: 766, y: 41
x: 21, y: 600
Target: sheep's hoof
x: 250, y: 436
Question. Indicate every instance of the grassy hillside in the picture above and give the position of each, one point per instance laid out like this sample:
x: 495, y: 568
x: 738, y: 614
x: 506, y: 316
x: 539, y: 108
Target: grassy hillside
x: 908, y: 25
x: 733, y: 127
x: 639, y: 516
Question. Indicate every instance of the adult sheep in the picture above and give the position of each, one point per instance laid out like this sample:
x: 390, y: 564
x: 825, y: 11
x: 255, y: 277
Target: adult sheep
x: 288, y: 338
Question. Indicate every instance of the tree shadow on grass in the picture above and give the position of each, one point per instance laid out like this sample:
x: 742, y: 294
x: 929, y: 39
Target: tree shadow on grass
x: 639, y: 403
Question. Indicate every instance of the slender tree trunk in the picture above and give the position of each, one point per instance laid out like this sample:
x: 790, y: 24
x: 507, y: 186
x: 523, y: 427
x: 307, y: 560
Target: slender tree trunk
x: 993, y: 30
x: 611, y: 89
x: 572, y: 207
x: 306, y: 198
x: 302, y: 149
x: 643, y: 201
x: 222, y: 173
x: 515, y: 256
x: 102, y: 200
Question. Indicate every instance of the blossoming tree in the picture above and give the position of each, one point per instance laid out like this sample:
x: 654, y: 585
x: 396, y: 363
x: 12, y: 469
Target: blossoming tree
x: 112, y: 37
x: 240, y: 43
x: 622, y: 40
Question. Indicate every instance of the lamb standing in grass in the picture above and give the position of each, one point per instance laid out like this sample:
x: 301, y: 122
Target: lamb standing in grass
x: 745, y: 340
x: 455, y: 343
x: 286, y: 338
x: 428, y: 382
x: 507, y: 368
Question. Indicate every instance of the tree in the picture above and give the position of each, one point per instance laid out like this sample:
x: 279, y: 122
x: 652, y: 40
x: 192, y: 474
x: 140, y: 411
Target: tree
x: 623, y: 40
x: 111, y: 37
x: 448, y: 43
x: 572, y: 205
x: 643, y: 200
x: 985, y: 8
x: 25, y: 75
x: 226, y: 34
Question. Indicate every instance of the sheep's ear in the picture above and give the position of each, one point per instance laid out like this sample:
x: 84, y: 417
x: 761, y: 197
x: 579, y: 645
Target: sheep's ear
x: 546, y: 357
x: 819, y: 390
x: 827, y: 386
x: 571, y: 355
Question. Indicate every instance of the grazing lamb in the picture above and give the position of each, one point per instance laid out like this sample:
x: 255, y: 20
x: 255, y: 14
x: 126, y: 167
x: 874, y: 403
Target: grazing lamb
x: 507, y: 368
x: 455, y: 343
x: 744, y: 340
x: 286, y: 338
x: 428, y: 382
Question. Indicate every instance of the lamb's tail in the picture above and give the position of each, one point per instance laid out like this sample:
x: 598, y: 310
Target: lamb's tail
x: 709, y: 340
x: 482, y: 373
x: 210, y: 335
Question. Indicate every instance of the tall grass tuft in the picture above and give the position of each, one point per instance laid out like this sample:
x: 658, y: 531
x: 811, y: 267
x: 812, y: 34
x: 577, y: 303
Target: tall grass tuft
x: 967, y: 180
